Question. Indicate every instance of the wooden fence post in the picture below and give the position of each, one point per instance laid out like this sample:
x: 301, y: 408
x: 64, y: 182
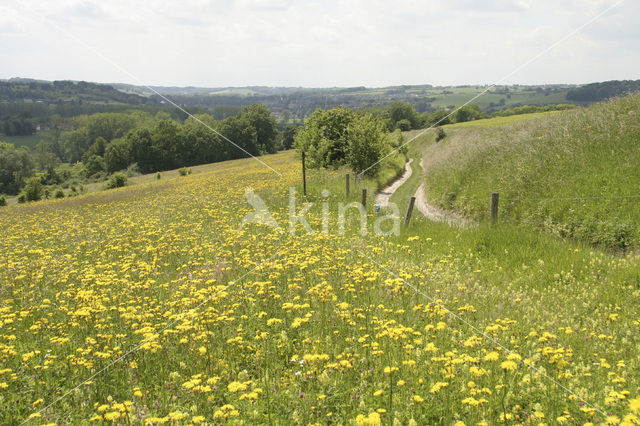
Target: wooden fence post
x: 494, y: 207
x: 364, y: 198
x: 304, y: 176
x: 346, y: 182
x: 409, y: 211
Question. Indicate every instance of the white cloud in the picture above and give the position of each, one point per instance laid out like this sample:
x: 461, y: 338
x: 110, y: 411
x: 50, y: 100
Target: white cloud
x: 319, y: 43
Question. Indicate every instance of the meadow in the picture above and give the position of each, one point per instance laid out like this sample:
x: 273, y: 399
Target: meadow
x: 148, y: 305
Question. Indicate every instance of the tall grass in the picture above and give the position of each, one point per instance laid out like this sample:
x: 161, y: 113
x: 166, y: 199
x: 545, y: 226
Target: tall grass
x: 589, y: 153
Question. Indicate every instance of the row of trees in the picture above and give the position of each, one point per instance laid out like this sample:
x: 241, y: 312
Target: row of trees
x: 596, y: 92
x: 19, y: 125
x: 168, y: 144
x: 108, y: 142
x: 403, y: 116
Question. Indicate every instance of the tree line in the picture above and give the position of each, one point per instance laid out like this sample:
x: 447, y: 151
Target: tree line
x: 103, y: 143
x: 596, y: 92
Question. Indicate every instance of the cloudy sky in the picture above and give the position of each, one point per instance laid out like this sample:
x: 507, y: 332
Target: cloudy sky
x: 318, y: 43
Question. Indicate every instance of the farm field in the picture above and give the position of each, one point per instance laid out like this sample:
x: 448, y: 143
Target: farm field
x: 148, y: 305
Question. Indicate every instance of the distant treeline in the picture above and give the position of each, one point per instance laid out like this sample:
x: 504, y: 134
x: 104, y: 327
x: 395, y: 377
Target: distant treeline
x: 596, y: 92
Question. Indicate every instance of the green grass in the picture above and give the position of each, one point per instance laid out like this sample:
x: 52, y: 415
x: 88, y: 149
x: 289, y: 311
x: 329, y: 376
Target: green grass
x: 590, y: 152
x: 462, y: 95
x: 498, y: 121
x: 30, y: 140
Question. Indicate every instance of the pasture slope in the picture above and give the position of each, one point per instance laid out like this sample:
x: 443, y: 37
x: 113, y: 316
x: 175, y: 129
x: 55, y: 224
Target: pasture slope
x: 574, y: 173
x: 147, y: 304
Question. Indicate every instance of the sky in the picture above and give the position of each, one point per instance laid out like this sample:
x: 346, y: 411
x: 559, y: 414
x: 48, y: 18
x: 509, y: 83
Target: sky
x: 321, y: 43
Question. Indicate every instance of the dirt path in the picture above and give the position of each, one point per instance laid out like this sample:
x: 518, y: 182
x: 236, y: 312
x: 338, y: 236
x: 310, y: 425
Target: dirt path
x: 435, y: 213
x: 382, y: 198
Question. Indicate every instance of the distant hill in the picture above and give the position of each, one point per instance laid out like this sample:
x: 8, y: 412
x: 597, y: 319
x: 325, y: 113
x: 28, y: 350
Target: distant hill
x: 56, y: 92
x: 596, y: 92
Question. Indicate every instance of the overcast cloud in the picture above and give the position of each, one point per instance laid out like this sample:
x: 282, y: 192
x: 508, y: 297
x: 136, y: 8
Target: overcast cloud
x: 319, y: 43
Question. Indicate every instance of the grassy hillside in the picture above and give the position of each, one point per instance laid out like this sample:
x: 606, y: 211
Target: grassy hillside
x: 149, y: 304
x: 574, y: 173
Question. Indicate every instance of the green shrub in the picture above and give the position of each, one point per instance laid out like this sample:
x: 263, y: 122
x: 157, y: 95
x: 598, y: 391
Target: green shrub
x: 22, y: 198
x: 33, y: 190
x: 117, y: 180
x: 158, y: 176
x: 132, y: 170
x: 59, y: 193
x: 3, y: 201
x: 184, y: 171
x: 440, y: 134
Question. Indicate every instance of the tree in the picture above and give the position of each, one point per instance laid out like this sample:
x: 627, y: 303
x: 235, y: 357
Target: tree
x: 166, y: 141
x: 439, y: 118
x: 20, y: 125
x: 33, y: 189
x: 109, y: 125
x: 44, y: 158
x: 266, y: 126
x: 118, y: 155
x: 75, y: 144
x: 200, y: 145
x: 15, y: 166
x: 144, y: 151
x: 288, y: 136
x: 242, y: 133
x: 368, y: 143
x: 94, y: 164
x: 97, y: 148
x: 324, y: 137
x: 468, y: 113
x: 405, y: 113
x: 403, y: 125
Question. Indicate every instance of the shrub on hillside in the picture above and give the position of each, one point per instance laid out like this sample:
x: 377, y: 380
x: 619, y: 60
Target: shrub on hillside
x: 117, y: 180
x: 33, y: 189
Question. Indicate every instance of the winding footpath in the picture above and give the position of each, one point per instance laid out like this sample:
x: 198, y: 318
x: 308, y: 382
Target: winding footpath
x: 428, y: 210
x: 435, y: 213
x: 382, y: 198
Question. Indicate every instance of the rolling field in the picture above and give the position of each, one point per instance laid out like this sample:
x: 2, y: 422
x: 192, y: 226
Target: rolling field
x: 148, y: 305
